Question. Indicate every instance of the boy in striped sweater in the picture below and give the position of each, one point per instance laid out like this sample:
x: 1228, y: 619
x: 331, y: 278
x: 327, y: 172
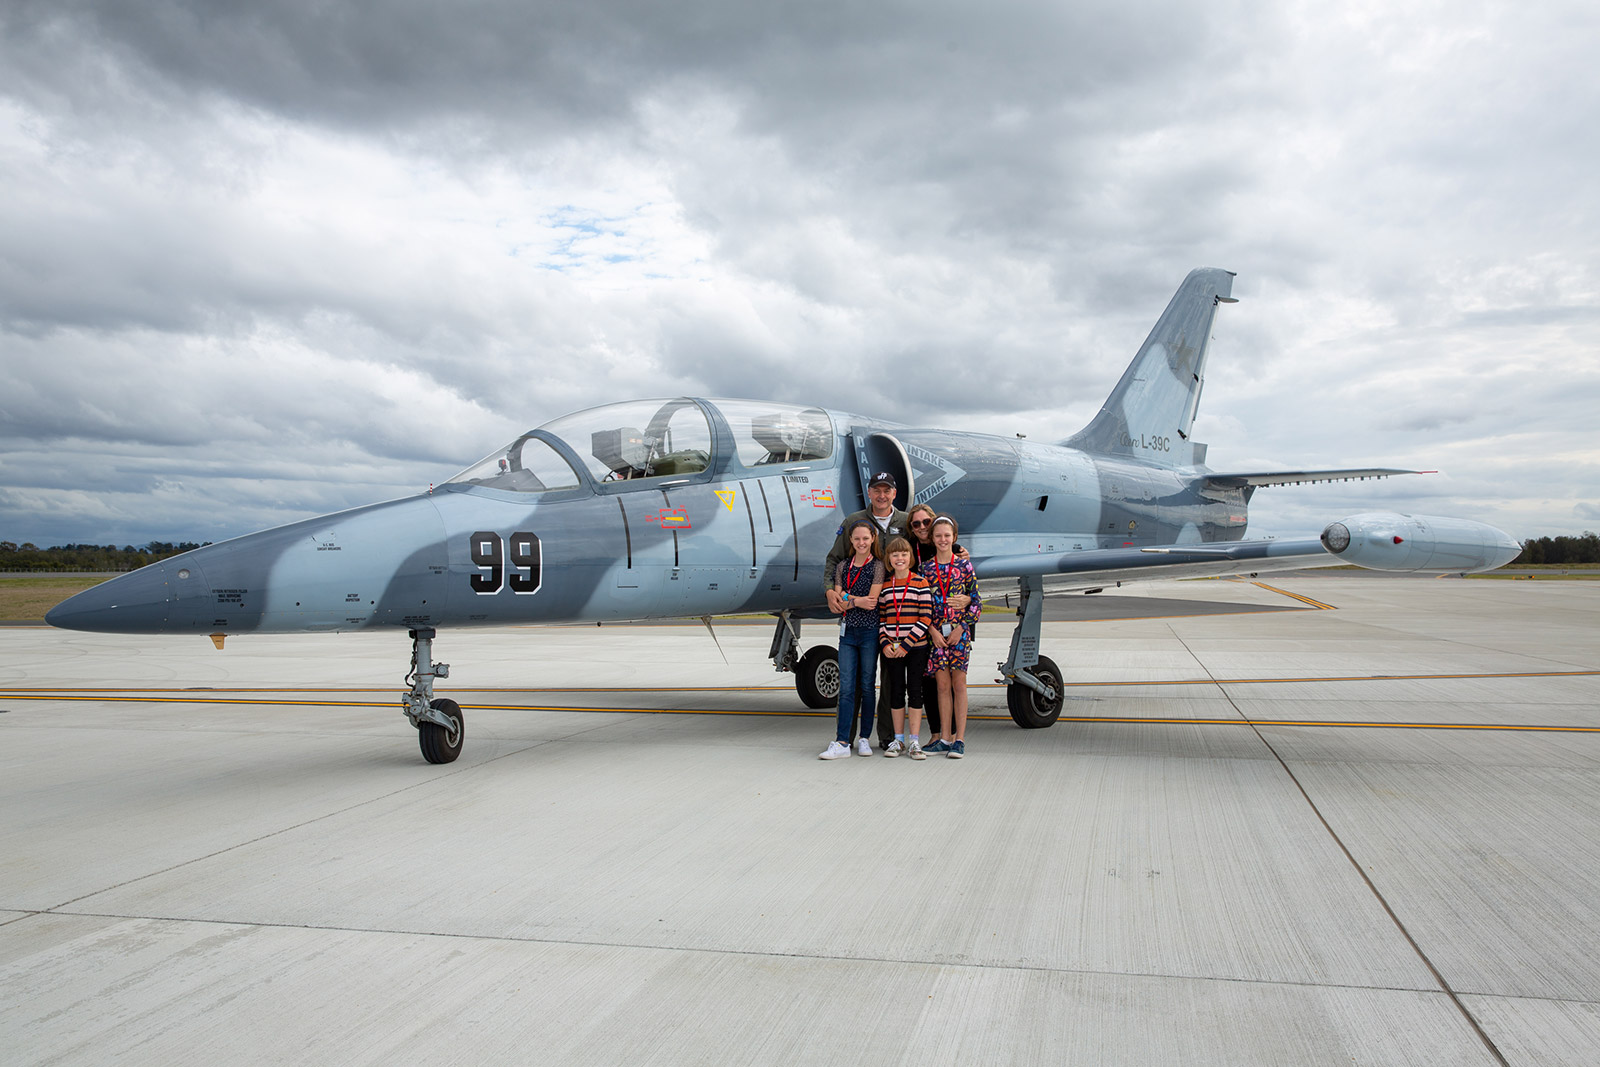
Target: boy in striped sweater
x: 905, y: 612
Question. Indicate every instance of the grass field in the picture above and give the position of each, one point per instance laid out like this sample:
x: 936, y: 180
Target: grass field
x: 27, y: 599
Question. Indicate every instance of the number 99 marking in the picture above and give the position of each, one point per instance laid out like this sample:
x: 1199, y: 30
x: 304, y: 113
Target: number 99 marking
x: 488, y: 553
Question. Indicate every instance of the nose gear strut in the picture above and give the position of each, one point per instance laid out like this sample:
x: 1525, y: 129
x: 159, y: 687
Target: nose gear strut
x: 441, y: 728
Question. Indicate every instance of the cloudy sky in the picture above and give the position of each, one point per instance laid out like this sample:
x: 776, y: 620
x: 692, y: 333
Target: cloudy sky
x: 262, y: 261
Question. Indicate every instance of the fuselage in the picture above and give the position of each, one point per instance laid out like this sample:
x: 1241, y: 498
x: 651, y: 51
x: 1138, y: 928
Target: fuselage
x: 712, y: 508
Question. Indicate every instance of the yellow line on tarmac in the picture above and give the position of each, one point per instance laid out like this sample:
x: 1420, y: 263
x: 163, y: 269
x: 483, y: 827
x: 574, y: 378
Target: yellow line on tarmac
x: 1343, y: 678
x: 23, y: 691
x: 1119, y: 720
x: 205, y: 695
x: 109, y: 698
x: 1303, y: 599
x: 1338, y: 724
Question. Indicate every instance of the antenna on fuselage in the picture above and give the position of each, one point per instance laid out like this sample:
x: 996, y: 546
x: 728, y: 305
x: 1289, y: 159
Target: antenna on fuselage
x: 707, y: 620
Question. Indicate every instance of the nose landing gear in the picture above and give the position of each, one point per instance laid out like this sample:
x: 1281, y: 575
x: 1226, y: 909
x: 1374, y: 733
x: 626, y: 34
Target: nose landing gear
x: 441, y: 728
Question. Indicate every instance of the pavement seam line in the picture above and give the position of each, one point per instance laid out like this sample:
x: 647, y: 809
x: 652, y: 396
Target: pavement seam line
x: 759, y: 953
x: 1372, y: 887
x: 56, y: 909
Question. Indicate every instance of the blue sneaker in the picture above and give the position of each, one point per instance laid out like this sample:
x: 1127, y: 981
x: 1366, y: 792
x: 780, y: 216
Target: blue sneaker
x: 937, y: 746
x: 958, y: 750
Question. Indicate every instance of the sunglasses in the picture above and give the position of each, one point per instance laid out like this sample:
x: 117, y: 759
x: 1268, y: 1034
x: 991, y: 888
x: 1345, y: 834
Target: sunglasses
x: 921, y: 525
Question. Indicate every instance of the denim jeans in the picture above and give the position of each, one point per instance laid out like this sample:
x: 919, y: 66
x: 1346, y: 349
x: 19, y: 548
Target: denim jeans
x: 858, y: 675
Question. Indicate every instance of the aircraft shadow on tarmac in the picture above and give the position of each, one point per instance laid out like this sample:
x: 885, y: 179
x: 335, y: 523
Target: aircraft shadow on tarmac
x: 1076, y: 608
x: 1101, y: 608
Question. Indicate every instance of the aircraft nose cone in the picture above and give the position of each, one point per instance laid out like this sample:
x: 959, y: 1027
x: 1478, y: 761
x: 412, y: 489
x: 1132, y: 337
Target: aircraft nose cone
x: 141, y: 601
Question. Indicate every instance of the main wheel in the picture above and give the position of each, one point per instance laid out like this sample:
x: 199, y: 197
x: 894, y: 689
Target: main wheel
x: 438, y: 744
x: 816, y: 677
x: 1030, y: 710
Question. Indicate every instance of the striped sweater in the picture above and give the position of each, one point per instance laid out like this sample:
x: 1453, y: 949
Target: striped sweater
x: 905, y: 611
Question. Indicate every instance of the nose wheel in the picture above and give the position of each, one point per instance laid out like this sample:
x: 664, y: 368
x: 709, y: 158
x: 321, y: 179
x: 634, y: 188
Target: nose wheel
x: 442, y: 744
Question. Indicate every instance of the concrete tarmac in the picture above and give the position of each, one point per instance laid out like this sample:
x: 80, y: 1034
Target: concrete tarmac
x: 1362, y: 830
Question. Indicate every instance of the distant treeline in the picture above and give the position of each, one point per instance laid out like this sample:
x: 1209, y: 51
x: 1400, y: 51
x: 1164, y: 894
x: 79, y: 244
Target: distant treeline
x: 1584, y: 548
x: 29, y: 557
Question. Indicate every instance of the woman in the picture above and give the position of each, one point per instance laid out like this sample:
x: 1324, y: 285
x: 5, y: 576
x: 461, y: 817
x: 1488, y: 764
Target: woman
x: 905, y: 613
x: 854, y: 597
x: 920, y: 519
x: 953, y: 581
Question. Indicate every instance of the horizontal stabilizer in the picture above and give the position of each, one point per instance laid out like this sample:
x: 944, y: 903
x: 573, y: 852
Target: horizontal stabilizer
x: 1255, y: 479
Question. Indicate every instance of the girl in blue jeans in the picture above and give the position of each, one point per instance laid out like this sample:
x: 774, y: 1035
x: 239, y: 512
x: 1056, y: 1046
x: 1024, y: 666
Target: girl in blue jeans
x: 854, y: 596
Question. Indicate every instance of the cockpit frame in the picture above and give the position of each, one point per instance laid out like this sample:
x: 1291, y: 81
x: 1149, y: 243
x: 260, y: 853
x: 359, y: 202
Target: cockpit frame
x: 731, y: 439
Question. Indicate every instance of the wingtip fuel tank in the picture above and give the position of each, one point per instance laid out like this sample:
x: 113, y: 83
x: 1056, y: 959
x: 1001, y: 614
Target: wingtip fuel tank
x: 1389, y: 541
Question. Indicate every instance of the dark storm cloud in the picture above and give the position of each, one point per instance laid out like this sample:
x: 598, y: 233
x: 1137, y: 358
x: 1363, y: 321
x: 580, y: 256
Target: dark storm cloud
x: 397, y: 62
x: 375, y: 239
x: 976, y: 129
x: 1004, y: 119
x: 355, y: 63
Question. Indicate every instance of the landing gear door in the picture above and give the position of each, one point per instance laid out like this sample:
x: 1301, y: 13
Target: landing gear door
x: 878, y: 453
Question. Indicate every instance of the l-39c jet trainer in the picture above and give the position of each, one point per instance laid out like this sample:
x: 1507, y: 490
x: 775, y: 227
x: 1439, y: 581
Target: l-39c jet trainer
x: 689, y: 507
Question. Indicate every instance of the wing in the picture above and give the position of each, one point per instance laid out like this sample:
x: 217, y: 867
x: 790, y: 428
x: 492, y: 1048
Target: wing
x: 1110, y: 566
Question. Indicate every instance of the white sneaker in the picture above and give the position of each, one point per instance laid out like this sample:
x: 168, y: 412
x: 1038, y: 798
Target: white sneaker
x: 894, y: 749
x: 863, y: 747
x: 835, y: 751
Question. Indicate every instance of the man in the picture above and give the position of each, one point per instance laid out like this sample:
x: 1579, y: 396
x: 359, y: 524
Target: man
x: 891, y: 522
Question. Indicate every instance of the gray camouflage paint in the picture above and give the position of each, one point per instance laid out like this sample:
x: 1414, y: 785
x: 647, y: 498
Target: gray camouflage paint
x: 672, y: 546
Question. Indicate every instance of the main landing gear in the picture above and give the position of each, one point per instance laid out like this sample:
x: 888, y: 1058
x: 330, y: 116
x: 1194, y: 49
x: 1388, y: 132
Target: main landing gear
x: 816, y: 674
x: 441, y: 728
x: 1034, y: 692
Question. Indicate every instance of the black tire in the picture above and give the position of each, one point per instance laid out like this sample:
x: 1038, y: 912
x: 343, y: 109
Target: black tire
x: 816, y: 677
x: 438, y: 744
x: 1031, y: 711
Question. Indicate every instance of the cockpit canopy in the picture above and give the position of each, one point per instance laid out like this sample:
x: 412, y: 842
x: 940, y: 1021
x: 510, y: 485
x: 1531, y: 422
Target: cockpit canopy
x: 642, y: 439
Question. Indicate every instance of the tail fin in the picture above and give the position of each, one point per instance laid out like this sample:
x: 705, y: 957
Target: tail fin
x: 1150, y: 413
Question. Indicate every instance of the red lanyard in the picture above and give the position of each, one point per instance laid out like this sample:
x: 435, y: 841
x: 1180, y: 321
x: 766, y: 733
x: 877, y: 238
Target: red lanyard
x: 851, y: 573
x: 946, y: 573
x: 899, y: 601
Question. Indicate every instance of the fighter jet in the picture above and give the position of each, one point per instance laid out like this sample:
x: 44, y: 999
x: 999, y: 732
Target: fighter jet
x: 692, y: 507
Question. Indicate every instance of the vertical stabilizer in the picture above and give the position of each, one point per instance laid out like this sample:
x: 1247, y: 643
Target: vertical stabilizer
x: 1150, y: 414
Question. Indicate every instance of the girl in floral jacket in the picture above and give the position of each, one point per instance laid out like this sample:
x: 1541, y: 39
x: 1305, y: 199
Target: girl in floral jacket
x: 956, y: 608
